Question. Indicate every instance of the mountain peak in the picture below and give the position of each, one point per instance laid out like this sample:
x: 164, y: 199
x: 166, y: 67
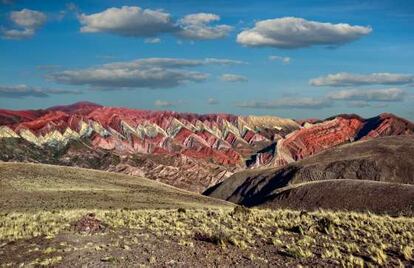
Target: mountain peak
x: 82, y: 106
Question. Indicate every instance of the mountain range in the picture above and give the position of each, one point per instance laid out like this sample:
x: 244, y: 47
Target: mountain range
x: 190, y: 151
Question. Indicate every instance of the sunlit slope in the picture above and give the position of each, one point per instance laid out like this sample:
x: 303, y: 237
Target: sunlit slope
x: 25, y: 186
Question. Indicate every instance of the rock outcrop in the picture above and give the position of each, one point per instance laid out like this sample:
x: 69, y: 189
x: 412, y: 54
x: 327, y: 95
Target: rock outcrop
x: 317, y: 137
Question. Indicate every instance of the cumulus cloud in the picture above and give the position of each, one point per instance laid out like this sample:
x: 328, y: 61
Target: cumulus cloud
x: 212, y: 101
x: 28, y: 18
x: 348, y: 79
x: 382, y: 95
x: 103, y: 77
x: 291, y: 32
x: 134, y: 21
x: 233, y: 78
x: 285, y: 60
x: 197, y: 27
x: 128, y: 21
x: 27, y: 22
x: 286, y: 103
x: 141, y: 73
x: 19, y: 91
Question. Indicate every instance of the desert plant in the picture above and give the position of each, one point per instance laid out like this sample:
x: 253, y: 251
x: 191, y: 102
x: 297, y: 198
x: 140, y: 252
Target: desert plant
x: 407, y: 252
x: 298, y: 252
x: 378, y: 255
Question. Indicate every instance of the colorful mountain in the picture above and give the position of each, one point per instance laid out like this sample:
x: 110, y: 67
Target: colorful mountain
x: 187, y: 150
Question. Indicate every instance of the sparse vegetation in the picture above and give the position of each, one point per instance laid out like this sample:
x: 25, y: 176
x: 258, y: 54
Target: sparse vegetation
x: 37, y: 187
x: 373, y: 236
x: 210, y: 232
x: 407, y: 252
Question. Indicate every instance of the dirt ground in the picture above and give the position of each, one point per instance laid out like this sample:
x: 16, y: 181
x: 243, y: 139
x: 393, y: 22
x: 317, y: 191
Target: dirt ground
x: 208, y: 238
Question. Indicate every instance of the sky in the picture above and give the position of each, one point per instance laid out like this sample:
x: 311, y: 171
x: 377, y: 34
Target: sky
x: 296, y: 59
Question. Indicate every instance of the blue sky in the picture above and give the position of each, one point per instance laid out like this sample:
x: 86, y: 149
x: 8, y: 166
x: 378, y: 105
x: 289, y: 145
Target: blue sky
x: 295, y: 59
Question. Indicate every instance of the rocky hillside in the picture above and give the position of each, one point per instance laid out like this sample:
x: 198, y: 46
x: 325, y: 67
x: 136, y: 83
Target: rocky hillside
x: 186, y: 150
x: 341, y: 177
x: 315, y: 137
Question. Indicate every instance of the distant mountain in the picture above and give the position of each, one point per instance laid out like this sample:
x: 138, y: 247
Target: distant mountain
x: 315, y: 137
x: 375, y: 175
x: 186, y: 150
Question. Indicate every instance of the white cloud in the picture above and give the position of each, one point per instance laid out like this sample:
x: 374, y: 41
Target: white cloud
x: 172, y: 62
x: 27, y: 22
x: 233, y: 78
x: 286, y: 103
x: 151, y: 77
x: 72, y: 7
x: 161, y: 103
x: 199, y: 18
x: 212, y: 101
x: 28, y: 18
x: 349, y: 79
x: 17, y: 34
x: 364, y: 104
x: 291, y: 32
x: 137, y: 22
x: 223, y: 61
x: 128, y: 21
x: 142, y: 73
x: 155, y: 40
x: 285, y: 60
x: 389, y: 94
x: 20, y: 91
x: 164, y: 103
x: 196, y: 27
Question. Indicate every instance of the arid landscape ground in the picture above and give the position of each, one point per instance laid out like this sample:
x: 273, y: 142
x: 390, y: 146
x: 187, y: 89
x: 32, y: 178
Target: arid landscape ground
x: 59, y: 216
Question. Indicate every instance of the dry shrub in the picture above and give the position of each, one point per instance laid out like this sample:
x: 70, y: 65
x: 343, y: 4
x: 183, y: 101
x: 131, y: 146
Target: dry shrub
x: 89, y: 224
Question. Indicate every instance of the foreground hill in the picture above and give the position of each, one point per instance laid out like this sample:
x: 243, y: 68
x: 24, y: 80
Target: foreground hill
x: 356, y: 195
x: 189, y: 151
x: 38, y: 187
x: 342, y: 179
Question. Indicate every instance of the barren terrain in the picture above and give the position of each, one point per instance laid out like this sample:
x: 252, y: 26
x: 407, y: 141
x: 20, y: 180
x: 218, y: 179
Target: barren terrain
x: 114, y: 220
x: 374, y: 175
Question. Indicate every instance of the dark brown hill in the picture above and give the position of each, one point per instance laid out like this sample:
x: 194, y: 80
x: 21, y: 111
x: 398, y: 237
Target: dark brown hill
x: 354, y: 195
x: 389, y: 160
